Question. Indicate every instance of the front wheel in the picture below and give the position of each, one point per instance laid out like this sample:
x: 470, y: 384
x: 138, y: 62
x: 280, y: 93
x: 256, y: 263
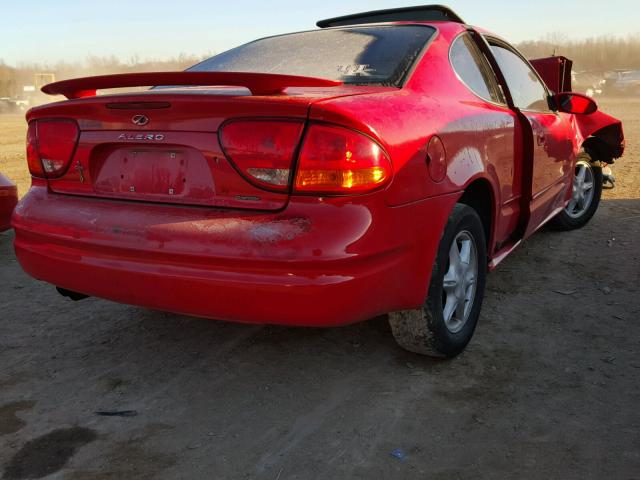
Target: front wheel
x: 585, y: 195
x: 445, y: 324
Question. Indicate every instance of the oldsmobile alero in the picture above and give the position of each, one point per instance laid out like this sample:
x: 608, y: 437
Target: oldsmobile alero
x: 383, y: 163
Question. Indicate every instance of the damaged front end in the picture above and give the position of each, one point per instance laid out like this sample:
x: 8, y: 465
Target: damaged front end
x: 601, y: 134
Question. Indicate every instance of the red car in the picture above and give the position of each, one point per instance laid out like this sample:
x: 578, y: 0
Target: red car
x: 8, y: 201
x: 383, y: 163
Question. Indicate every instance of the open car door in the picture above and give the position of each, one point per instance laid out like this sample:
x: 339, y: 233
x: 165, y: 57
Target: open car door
x: 548, y: 153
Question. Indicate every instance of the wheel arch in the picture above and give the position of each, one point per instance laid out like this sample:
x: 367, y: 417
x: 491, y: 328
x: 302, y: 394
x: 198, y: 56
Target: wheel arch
x: 603, y: 134
x: 479, y: 194
x: 607, y: 143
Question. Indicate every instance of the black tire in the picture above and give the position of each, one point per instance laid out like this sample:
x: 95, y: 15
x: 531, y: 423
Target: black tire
x: 565, y: 220
x: 425, y: 331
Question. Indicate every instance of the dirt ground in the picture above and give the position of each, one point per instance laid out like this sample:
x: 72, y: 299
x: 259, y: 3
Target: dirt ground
x: 549, y: 387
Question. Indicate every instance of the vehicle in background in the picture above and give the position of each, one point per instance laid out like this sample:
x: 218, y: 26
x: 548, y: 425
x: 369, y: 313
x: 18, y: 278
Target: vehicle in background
x: 6, y: 105
x: 8, y: 201
x: 382, y: 164
x: 591, y: 83
x: 22, y: 104
x: 12, y: 105
x: 623, y: 83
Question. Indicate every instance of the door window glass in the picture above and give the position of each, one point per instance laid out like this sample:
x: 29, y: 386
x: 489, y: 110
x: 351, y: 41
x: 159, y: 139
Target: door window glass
x: 527, y: 90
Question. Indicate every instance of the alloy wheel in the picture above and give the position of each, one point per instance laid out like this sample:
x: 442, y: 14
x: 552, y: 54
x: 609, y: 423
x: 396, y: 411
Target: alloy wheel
x: 583, y: 190
x: 459, y: 285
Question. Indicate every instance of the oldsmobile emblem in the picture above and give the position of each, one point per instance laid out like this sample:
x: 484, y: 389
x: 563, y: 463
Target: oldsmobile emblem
x: 140, y: 120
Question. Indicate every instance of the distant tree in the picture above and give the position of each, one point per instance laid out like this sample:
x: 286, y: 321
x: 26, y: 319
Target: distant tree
x: 598, y: 54
x: 7, y: 80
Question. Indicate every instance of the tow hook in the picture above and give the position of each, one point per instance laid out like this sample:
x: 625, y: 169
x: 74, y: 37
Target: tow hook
x: 75, y: 296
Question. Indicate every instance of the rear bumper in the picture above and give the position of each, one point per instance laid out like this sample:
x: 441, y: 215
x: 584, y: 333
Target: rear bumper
x: 317, y: 263
x: 8, y: 201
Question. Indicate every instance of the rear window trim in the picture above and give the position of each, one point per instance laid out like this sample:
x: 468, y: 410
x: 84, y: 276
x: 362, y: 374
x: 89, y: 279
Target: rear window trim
x: 403, y: 78
x: 420, y: 56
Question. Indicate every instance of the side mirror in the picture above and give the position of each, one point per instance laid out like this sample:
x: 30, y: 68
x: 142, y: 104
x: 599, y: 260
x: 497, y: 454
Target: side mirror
x: 575, y: 103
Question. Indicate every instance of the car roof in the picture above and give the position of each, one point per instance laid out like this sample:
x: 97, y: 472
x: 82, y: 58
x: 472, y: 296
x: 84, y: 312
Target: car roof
x: 422, y: 13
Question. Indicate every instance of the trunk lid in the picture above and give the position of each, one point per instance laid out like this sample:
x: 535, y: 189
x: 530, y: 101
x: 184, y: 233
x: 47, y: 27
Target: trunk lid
x: 163, y: 145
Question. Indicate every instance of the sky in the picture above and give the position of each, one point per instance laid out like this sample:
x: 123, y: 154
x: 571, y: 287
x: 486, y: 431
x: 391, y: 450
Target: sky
x: 48, y: 31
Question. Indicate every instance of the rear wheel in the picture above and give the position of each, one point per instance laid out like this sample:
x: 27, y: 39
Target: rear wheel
x: 445, y: 324
x: 585, y: 197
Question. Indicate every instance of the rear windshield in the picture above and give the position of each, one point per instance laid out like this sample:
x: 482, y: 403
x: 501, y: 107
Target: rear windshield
x: 355, y: 55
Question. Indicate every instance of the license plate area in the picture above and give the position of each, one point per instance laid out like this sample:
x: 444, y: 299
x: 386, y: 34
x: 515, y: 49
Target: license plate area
x: 163, y: 174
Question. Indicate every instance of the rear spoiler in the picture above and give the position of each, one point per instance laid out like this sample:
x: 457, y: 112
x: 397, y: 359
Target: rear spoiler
x: 257, y: 83
x: 424, y: 13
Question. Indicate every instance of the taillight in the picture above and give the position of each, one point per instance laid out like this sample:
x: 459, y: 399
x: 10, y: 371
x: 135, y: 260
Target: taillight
x: 33, y: 159
x: 263, y: 150
x: 50, y: 146
x: 336, y: 160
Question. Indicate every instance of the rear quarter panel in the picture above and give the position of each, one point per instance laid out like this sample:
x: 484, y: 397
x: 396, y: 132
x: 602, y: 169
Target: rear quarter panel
x: 479, y: 137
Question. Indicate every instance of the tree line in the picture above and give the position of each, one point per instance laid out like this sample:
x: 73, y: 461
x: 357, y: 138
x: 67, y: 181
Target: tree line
x: 598, y: 55
x: 12, y: 79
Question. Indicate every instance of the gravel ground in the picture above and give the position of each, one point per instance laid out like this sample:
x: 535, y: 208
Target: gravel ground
x: 549, y: 387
